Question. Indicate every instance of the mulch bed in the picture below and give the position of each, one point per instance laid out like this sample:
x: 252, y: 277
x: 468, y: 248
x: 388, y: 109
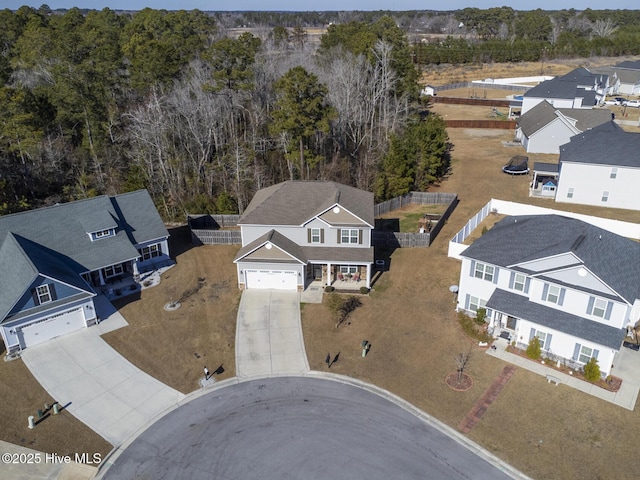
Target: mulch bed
x: 461, y: 384
x: 611, y: 383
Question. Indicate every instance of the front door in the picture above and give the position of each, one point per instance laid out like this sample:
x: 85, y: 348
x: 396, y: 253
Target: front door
x: 317, y: 272
x: 511, y: 322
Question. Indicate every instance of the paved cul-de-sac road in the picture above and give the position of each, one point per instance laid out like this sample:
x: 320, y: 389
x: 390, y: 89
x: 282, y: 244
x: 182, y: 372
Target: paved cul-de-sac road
x: 296, y: 428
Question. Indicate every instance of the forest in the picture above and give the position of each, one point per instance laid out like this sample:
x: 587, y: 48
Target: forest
x: 95, y: 102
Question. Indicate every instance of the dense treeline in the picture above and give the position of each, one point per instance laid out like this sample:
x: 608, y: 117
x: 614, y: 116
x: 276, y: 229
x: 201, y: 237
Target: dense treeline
x: 104, y: 102
x: 98, y: 102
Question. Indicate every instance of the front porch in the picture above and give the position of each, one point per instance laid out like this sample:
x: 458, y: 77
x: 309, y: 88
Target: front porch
x: 122, y: 280
x: 342, y: 277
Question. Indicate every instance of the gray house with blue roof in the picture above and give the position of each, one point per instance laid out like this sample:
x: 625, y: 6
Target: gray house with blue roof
x: 573, y: 285
x: 55, y: 260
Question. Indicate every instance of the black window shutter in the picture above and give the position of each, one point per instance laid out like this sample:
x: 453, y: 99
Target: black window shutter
x: 34, y: 294
x: 52, y: 292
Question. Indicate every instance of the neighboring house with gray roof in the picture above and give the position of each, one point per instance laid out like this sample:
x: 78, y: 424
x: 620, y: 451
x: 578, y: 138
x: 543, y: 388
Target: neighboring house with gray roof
x: 55, y: 260
x: 296, y: 232
x: 573, y: 285
x: 629, y: 75
x: 577, y: 89
x: 601, y: 167
x: 544, y: 128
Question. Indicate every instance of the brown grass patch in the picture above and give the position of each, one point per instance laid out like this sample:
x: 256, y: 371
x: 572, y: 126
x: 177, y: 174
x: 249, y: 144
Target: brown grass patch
x: 545, y: 431
x: 174, y: 346
x: 22, y: 396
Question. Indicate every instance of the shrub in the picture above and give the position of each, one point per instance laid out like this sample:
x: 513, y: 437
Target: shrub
x: 484, y: 230
x: 364, y: 290
x: 469, y: 327
x: 481, y: 316
x: 329, y: 289
x: 592, y: 370
x: 534, y: 350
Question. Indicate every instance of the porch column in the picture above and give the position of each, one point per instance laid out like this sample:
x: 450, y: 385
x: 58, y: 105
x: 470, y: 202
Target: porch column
x: 368, y: 275
x: 328, y: 274
x: 134, y: 264
x: 101, y: 278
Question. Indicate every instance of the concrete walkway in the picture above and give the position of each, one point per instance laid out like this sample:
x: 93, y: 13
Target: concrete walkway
x: 95, y: 383
x: 626, y: 397
x: 269, y: 334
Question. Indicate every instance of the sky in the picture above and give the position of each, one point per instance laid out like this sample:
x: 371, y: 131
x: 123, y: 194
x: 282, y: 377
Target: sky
x: 325, y: 5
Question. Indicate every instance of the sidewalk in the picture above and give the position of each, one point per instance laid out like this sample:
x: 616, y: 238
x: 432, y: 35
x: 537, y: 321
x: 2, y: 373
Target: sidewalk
x: 625, y: 397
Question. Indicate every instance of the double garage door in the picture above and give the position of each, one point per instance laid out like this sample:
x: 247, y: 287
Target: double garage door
x: 273, y: 279
x: 52, y: 327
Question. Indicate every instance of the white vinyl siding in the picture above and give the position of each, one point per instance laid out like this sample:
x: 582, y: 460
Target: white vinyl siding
x: 484, y: 271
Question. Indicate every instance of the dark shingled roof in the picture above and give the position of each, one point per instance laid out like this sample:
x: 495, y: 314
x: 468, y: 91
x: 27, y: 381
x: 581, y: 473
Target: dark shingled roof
x: 519, y: 306
x: 606, y: 144
x: 630, y: 64
x: 517, y: 239
x: 55, y: 242
x: 296, y: 202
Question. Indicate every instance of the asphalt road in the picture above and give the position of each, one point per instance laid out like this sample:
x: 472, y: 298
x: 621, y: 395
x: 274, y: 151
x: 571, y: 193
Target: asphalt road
x: 296, y: 428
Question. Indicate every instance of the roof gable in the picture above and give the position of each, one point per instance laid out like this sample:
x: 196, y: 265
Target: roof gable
x: 297, y: 202
x: 613, y: 259
x: 262, y: 249
x: 63, y: 228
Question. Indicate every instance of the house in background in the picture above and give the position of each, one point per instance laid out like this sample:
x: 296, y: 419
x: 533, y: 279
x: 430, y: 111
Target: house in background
x: 297, y: 232
x: 573, y: 285
x: 577, y: 89
x: 55, y: 260
x: 544, y: 128
x: 601, y: 167
x: 629, y: 77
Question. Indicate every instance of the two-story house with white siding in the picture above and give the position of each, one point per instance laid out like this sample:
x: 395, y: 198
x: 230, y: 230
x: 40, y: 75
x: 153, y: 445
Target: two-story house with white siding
x: 55, y: 260
x: 577, y: 89
x: 573, y: 285
x: 601, y: 167
x: 296, y: 232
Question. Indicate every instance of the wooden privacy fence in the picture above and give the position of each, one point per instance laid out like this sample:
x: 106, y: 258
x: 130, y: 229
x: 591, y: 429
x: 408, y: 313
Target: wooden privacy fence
x: 210, y: 229
x: 486, y: 102
x: 404, y: 240
x: 498, y: 124
x: 207, y: 229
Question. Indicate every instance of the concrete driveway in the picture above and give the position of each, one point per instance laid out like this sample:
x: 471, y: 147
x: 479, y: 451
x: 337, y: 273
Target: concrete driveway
x: 269, y: 334
x: 98, y: 385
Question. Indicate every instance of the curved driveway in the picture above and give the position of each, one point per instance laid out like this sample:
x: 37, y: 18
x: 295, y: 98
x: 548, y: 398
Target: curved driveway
x: 296, y: 428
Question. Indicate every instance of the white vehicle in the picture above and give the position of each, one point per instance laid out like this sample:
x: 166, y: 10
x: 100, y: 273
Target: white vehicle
x: 632, y: 103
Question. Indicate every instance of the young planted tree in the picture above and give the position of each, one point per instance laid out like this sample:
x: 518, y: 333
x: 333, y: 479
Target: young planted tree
x: 592, y: 370
x: 534, y: 350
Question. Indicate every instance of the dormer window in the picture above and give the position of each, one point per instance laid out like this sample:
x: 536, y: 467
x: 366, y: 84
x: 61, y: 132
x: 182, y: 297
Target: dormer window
x: 109, y: 232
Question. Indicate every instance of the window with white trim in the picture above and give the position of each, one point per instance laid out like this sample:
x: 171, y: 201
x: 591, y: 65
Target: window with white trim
x: 605, y: 196
x: 542, y: 337
x: 150, y: 252
x: 585, y: 354
x: 553, y: 295
x: 110, y: 232
x: 475, y: 303
x: 44, y: 295
x: 348, y: 269
x: 519, y: 281
x: 599, y: 308
x: 349, y: 235
x: 483, y: 271
x: 570, y: 192
x: 113, y: 270
x: 315, y: 235
x: 614, y: 173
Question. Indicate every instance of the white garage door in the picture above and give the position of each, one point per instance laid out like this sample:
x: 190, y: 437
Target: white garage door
x: 53, y: 326
x: 276, y: 279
